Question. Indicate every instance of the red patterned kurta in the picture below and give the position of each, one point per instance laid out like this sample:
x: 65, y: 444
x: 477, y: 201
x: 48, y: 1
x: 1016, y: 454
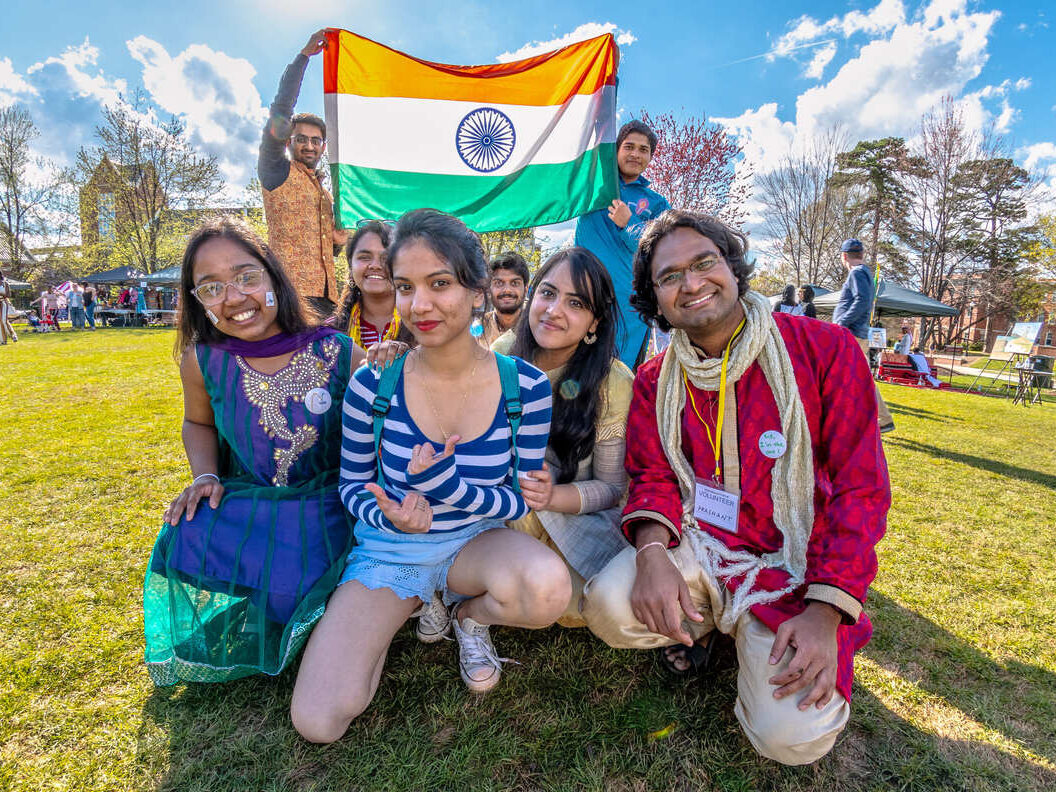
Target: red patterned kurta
x: 852, y: 491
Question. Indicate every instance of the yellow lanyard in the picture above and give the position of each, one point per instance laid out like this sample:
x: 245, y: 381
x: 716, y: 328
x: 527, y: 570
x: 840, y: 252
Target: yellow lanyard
x: 355, y: 333
x: 716, y: 439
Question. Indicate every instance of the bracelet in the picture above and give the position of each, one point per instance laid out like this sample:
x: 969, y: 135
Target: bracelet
x: 200, y: 476
x: 648, y: 545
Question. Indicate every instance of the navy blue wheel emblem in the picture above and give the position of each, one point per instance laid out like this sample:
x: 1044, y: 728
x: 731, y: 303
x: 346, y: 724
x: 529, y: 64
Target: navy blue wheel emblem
x: 485, y: 139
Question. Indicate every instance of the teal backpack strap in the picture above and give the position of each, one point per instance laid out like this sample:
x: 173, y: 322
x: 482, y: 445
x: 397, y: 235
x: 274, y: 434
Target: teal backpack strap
x: 511, y: 398
x: 380, y: 408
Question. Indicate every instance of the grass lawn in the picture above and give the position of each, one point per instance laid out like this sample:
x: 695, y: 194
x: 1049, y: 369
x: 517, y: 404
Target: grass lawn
x: 957, y: 690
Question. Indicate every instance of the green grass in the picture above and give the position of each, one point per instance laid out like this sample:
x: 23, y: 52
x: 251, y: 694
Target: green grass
x: 955, y: 692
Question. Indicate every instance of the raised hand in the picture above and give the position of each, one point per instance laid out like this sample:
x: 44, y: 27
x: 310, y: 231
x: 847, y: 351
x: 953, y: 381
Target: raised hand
x: 619, y: 213
x: 423, y: 457
x: 316, y: 44
x: 414, y: 515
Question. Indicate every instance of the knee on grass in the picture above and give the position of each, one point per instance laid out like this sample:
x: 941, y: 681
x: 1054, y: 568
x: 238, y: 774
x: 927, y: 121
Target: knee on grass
x: 324, y: 722
x: 791, y: 740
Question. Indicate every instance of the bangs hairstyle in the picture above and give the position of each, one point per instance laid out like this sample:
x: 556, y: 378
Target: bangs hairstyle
x: 193, y: 326
x: 352, y: 295
x: 731, y: 243
x: 447, y: 237
x: 573, y: 423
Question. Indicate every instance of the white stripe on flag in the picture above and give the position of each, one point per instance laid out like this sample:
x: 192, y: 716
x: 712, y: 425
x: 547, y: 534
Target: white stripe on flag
x: 418, y: 135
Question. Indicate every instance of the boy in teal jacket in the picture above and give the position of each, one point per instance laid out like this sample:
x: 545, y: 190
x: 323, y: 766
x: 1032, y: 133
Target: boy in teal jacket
x: 612, y: 234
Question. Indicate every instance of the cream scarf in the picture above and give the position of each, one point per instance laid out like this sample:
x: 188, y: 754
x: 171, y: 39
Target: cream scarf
x: 792, y: 488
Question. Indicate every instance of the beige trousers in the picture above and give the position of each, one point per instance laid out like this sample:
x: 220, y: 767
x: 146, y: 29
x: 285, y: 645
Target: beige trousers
x: 531, y: 525
x: 775, y: 727
x: 883, y: 415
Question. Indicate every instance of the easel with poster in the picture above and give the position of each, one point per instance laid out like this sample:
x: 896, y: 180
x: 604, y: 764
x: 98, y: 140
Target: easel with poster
x: 1009, y: 356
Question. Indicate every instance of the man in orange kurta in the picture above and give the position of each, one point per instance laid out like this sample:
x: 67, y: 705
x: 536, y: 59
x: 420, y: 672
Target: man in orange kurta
x: 298, y: 208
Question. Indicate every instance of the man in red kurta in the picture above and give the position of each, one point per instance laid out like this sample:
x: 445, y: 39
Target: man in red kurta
x: 764, y: 527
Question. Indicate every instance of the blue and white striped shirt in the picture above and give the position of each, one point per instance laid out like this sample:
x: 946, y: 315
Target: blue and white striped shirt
x: 472, y: 484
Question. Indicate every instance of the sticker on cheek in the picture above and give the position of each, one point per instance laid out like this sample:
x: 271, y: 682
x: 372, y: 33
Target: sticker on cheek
x: 212, y: 317
x: 269, y: 298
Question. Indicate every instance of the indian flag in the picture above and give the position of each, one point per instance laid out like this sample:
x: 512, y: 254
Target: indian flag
x: 508, y: 145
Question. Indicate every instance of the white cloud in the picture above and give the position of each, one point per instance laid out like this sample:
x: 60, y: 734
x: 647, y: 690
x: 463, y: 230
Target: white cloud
x: 585, y: 31
x: 12, y: 84
x: 213, y: 94
x: 1034, y: 155
x: 77, y: 64
x: 556, y: 236
x: 822, y: 58
x: 884, y: 17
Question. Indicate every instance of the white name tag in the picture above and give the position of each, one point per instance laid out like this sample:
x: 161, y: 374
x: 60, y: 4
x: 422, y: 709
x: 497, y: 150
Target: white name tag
x: 716, y: 506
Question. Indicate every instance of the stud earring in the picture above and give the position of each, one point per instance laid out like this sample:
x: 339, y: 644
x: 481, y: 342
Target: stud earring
x: 590, y: 338
x: 212, y: 317
x: 476, y: 327
x: 269, y: 298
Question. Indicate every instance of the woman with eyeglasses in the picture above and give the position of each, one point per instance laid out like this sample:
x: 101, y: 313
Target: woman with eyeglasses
x: 367, y: 309
x: 569, y: 331
x: 253, y: 546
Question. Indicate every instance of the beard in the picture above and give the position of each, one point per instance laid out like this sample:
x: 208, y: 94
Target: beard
x: 508, y: 311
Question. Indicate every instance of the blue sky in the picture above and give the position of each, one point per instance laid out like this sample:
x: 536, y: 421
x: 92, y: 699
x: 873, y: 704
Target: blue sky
x: 770, y: 71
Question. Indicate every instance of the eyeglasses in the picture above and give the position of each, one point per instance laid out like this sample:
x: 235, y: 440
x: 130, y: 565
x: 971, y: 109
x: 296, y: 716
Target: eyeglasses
x: 245, y: 282
x: 368, y: 220
x: 302, y: 139
x: 673, y: 280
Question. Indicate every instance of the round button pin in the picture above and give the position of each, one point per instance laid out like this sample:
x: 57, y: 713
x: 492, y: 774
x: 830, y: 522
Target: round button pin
x: 772, y: 443
x: 318, y: 400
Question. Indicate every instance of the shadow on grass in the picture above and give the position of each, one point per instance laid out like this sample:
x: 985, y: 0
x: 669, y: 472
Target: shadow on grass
x: 917, y: 412
x: 576, y: 715
x: 983, y: 463
x: 1012, y: 698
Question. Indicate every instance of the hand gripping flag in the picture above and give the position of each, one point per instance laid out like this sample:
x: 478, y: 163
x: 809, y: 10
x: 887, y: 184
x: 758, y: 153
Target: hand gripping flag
x: 508, y: 145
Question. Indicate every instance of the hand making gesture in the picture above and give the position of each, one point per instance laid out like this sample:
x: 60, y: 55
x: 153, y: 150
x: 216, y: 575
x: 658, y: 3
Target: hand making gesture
x: 414, y: 515
x: 423, y: 457
x: 316, y: 44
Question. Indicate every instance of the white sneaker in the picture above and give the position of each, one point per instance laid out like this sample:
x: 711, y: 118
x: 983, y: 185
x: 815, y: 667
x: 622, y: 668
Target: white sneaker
x: 434, y: 621
x: 478, y: 662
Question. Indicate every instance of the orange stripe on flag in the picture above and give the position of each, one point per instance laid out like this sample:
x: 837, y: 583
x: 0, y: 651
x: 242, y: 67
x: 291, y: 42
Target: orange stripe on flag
x: 356, y: 65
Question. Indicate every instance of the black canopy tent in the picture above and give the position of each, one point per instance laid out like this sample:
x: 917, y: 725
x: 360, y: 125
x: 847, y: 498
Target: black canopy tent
x: 117, y: 275
x: 170, y: 276
x: 893, y: 300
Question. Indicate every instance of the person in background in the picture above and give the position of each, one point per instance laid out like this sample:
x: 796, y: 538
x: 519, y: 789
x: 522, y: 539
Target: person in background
x: 788, y: 300
x: 855, y: 308
x: 6, y: 330
x: 612, y: 233
x: 905, y: 344
x: 509, y: 279
x: 569, y: 331
x: 75, y: 300
x: 298, y: 208
x: 805, y: 306
x: 89, y: 303
x: 367, y: 310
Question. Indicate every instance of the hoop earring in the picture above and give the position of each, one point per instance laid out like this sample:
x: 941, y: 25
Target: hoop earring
x: 476, y: 327
x: 590, y: 338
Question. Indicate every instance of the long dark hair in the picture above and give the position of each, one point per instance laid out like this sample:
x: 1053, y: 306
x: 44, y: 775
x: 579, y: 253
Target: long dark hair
x: 352, y: 295
x: 193, y: 326
x: 573, y: 423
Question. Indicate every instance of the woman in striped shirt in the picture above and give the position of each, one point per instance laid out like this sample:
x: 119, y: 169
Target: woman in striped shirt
x: 447, y: 465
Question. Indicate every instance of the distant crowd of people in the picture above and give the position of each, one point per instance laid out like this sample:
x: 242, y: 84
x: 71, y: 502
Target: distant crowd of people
x: 461, y: 441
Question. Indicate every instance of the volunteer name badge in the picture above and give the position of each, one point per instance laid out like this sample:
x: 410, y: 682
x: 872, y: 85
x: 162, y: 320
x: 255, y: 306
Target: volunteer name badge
x: 716, y: 506
x: 773, y: 444
x: 317, y: 400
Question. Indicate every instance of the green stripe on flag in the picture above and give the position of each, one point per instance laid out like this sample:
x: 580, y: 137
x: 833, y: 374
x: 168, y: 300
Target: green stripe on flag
x: 535, y: 195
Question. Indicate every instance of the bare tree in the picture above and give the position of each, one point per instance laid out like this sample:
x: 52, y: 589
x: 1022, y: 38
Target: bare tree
x: 805, y: 215
x: 146, y: 172
x: 24, y: 197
